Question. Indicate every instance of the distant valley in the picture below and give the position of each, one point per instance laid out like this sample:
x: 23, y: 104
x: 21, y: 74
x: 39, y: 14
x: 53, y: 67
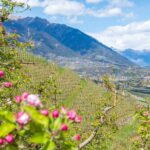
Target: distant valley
x: 71, y: 48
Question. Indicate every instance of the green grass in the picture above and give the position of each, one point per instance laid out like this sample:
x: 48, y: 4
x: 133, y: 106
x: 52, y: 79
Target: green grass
x: 73, y: 95
x: 122, y: 139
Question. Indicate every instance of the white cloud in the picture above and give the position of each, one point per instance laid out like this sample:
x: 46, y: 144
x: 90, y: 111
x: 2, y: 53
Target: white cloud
x: 31, y: 3
x: 64, y: 7
x: 108, y: 12
x: 112, y: 9
x: 120, y: 3
x: 135, y: 35
x: 34, y: 3
x: 73, y: 8
x: 58, y: 7
x: 93, y: 1
x: 128, y: 16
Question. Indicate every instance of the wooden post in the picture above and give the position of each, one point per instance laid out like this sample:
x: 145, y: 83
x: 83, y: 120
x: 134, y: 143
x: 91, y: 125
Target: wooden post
x: 115, y: 98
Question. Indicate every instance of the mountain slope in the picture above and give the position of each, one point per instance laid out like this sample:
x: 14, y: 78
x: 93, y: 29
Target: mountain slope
x: 62, y: 40
x: 141, y: 58
x: 82, y: 95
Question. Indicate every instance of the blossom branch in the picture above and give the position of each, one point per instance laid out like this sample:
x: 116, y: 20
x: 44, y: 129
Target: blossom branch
x: 92, y: 136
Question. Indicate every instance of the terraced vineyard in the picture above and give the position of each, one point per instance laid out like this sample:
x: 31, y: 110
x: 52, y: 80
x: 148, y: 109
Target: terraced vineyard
x: 81, y: 94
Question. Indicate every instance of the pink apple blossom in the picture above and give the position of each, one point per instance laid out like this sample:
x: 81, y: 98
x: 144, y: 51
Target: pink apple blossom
x: 34, y: 100
x: 9, y: 138
x: 18, y: 99
x: 24, y: 95
x: 44, y: 112
x: 22, y: 118
x: 64, y: 127
x: 8, y: 84
x: 71, y: 114
x: 78, y: 119
x: 55, y: 114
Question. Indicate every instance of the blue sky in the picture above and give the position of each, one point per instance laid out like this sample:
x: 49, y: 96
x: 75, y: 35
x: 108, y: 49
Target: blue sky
x: 117, y: 23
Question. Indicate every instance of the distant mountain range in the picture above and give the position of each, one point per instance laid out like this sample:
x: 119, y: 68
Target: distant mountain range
x: 141, y: 58
x: 63, y: 40
x: 67, y: 46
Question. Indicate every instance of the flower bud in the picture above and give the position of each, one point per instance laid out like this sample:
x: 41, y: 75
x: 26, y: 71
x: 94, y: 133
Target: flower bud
x: 18, y: 99
x: 8, y: 84
x: 64, y: 127
x: 45, y: 112
x: 78, y: 119
x: 2, y: 74
x: 71, y: 114
x: 1, y: 141
x: 77, y: 137
x: 24, y: 95
x: 55, y: 114
x: 9, y: 138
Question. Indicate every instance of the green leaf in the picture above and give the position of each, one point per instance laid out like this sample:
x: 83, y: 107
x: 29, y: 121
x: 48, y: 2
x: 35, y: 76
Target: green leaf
x: 68, y: 146
x: 57, y: 124
x: 8, y: 116
x: 11, y: 147
x: 50, y: 146
x: 39, y: 138
x: 6, y: 128
x: 36, y: 116
x: 34, y: 127
x: 73, y: 148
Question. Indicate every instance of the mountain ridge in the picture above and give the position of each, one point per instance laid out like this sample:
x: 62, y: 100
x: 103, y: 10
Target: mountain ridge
x: 141, y: 58
x: 66, y: 42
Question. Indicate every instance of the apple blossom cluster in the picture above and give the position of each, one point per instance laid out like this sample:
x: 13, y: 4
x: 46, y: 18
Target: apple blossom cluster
x: 31, y: 99
x: 34, y: 100
x: 23, y: 118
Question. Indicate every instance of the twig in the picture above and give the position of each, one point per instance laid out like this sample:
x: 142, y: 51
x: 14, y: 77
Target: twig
x: 89, y: 140
x: 91, y: 137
